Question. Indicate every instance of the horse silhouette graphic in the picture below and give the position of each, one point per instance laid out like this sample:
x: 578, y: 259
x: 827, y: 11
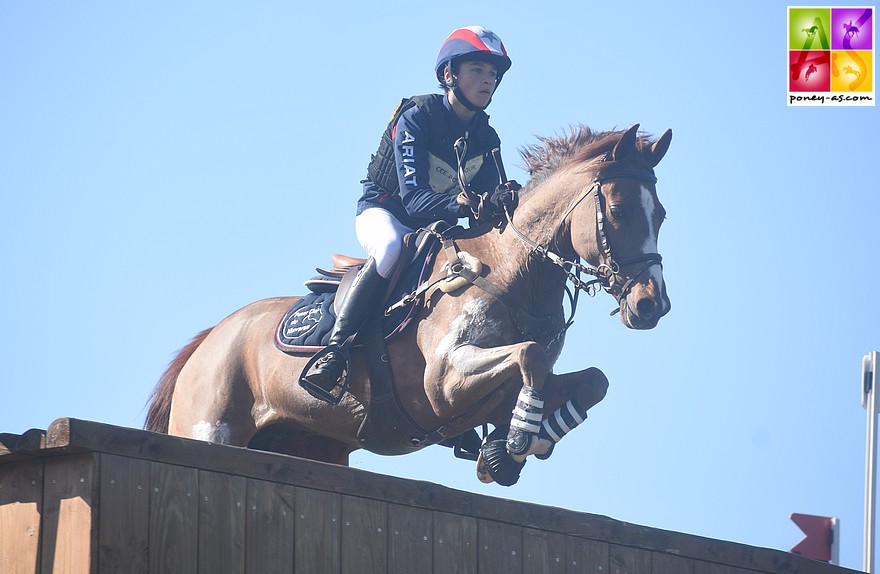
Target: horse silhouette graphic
x: 850, y: 30
x: 851, y: 71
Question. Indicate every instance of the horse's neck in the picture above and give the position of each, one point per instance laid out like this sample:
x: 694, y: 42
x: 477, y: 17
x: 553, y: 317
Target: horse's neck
x: 529, y: 282
x: 534, y: 282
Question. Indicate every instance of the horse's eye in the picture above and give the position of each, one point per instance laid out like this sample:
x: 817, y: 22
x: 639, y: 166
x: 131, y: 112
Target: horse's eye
x: 617, y: 212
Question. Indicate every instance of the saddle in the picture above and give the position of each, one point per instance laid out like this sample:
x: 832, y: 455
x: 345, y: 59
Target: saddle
x: 305, y: 329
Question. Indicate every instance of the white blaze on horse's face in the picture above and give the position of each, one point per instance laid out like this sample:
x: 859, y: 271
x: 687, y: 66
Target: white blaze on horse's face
x: 646, y: 302
x: 650, y: 245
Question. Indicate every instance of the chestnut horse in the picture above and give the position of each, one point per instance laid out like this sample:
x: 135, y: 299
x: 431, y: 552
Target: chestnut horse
x: 469, y: 356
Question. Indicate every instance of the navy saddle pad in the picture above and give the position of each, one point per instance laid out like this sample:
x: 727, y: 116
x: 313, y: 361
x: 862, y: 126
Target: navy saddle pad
x: 306, y: 326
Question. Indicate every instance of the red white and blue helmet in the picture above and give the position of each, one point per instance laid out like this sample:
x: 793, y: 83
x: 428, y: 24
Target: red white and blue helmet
x: 472, y: 43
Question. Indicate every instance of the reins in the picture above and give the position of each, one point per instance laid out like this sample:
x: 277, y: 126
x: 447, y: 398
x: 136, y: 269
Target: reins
x: 606, y: 274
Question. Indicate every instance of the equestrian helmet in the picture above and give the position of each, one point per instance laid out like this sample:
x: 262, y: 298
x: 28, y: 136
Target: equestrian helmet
x: 472, y: 43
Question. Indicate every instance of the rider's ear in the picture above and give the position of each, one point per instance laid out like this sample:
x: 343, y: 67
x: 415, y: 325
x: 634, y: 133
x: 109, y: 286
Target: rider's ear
x: 658, y: 150
x: 626, y: 145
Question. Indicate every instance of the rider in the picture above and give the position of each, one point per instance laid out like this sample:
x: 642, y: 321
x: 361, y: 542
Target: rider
x: 412, y: 179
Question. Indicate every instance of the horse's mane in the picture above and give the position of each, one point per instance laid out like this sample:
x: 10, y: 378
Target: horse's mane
x: 578, y: 144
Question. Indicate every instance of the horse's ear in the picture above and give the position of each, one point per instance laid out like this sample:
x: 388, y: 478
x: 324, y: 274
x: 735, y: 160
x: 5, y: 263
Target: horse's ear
x: 658, y: 150
x: 626, y: 145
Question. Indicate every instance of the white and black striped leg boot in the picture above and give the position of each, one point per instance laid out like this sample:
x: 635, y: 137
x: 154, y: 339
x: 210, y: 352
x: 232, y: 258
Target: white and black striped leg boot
x: 560, y: 423
x: 526, y: 421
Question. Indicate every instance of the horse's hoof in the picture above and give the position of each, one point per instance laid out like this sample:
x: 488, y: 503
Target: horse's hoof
x: 501, y: 466
x: 546, y: 455
x: 519, y: 442
x: 482, y: 473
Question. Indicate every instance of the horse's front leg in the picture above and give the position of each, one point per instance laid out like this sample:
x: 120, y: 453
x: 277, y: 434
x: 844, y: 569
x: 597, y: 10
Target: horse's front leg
x: 469, y: 373
x: 568, y: 398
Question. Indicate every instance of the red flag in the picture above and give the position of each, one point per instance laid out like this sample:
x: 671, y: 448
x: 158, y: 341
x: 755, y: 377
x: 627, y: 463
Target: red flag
x: 819, y: 537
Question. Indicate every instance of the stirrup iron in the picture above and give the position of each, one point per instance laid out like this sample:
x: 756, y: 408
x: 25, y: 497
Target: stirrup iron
x: 342, y: 383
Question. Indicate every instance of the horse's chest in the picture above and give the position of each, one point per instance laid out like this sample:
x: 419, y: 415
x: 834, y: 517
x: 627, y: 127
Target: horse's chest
x: 477, y: 322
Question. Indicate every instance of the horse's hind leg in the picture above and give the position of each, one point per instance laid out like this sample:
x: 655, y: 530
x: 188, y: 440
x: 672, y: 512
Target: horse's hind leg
x: 212, y: 400
x: 202, y: 413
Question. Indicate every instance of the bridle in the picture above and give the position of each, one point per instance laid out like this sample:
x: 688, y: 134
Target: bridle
x: 607, y: 275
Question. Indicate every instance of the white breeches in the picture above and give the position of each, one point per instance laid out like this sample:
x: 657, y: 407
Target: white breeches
x: 381, y: 236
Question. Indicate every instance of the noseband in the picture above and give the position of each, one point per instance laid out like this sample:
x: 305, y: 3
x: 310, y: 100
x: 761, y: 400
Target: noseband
x: 607, y: 275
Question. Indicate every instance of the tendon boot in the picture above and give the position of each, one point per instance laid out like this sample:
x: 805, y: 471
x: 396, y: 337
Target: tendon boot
x: 332, y: 365
x: 526, y: 421
x: 564, y: 420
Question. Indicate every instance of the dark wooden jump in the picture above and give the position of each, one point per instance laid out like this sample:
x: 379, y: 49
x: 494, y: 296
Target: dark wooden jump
x: 88, y: 497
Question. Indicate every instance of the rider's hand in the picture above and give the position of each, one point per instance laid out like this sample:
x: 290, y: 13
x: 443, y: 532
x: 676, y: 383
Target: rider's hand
x: 486, y: 211
x: 505, y: 197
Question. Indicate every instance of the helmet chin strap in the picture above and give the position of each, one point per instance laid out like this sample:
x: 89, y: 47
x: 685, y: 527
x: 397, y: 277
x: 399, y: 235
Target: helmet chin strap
x: 459, y: 95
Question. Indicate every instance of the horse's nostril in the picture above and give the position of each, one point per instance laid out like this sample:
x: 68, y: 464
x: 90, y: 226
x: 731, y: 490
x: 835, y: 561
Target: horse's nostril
x: 646, y: 308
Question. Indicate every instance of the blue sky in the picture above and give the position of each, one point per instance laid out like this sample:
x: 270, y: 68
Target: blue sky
x: 163, y: 164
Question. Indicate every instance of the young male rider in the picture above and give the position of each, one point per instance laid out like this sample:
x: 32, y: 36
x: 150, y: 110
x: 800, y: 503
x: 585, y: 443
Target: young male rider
x: 412, y: 179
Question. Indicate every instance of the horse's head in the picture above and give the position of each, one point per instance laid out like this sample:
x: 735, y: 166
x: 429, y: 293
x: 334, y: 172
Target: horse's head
x: 617, y: 230
x: 601, y: 192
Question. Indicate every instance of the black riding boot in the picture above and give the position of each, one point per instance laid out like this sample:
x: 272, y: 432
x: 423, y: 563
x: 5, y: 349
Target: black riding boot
x: 363, y: 299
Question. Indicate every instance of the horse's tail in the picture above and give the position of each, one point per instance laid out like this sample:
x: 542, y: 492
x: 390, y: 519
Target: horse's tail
x: 159, y: 410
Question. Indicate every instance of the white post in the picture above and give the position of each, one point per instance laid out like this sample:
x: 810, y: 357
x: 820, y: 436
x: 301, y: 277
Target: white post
x: 869, y: 402
x: 835, y: 541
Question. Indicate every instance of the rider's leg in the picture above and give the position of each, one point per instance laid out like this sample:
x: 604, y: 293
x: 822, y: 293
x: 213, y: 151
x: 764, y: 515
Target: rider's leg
x: 362, y: 299
x: 381, y: 235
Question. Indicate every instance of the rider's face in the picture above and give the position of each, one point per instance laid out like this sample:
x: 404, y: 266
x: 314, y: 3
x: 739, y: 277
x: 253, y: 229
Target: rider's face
x: 477, y: 81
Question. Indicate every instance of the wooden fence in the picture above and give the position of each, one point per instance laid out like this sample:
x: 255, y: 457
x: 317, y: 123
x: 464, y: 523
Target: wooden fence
x: 88, y: 497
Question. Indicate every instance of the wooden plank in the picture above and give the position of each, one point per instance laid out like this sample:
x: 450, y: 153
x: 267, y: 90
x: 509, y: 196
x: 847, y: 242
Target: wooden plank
x: 318, y: 532
x: 70, y: 435
x: 585, y: 555
x: 222, y: 499
x: 174, y: 518
x: 543, y: 552
x: 714, y: 568
x: 69, y: 524
x: 21, y: 504
x: 269, y: 526
x: 15, y: 447
x: 455, y: 543
x: 364, y: 535
x: 662, y: 563
x: 8, y: 441
x: 411, y: 539
x: 626, y: 560
x: 31, y: 440
x: 500, y: 547
x: 123, y: 527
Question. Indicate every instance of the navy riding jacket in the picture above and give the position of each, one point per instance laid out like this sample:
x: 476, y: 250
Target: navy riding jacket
x: 421, y: 184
